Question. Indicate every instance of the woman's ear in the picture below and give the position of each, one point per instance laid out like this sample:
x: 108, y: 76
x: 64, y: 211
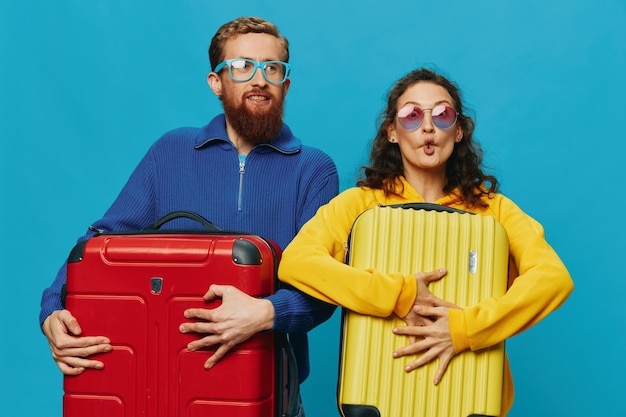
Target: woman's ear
x: 391, y: 133
x: 459, y: 134
x: 214, y: 82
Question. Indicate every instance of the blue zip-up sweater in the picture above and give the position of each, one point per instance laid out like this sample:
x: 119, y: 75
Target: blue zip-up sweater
x: 280, y: 186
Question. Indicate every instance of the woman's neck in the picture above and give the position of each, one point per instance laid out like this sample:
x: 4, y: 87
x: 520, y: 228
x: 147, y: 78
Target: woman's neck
x: 430, y: 186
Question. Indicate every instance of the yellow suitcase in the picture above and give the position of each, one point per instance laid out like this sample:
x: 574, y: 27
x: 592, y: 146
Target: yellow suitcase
x: 408, y: 239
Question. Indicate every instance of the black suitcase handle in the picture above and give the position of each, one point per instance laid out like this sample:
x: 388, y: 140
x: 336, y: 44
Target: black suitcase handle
x: 428, y: 207
x: 184, y: 214
x: 412, y: 206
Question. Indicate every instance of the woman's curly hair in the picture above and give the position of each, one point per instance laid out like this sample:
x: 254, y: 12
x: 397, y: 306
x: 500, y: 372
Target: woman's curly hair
x: 463, y: 169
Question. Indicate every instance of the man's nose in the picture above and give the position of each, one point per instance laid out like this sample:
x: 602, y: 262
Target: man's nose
x: 258, y: 78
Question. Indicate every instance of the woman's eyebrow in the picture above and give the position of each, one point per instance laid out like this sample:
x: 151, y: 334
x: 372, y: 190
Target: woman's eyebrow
x: 415, y: 103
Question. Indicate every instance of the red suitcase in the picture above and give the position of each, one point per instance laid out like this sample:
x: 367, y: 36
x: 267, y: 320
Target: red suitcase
x: 133, y: 289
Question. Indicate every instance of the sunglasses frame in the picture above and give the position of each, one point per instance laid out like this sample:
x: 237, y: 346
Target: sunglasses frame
x: 257, y: 65
x: 435, y: 121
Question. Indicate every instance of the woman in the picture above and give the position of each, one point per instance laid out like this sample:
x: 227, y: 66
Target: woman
x: 424, y: 152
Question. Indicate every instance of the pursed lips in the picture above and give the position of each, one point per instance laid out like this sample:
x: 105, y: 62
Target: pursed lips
x: 429, y: 146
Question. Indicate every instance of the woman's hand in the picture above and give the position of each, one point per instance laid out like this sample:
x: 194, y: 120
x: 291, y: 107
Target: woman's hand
x: 433, y: 340
x: 425, y: 298
x: 427, y: 327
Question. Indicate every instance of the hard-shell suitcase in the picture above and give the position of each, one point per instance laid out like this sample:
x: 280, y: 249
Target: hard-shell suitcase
x: 134, y: 287
x: 408, y: 239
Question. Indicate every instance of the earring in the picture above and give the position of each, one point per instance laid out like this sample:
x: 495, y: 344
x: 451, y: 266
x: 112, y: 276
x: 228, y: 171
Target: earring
x: 393, y: 140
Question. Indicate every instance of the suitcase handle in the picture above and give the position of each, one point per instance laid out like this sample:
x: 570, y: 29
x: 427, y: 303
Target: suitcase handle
x: 412, y: 206
x: 428, y: 207
x: 184, y: 214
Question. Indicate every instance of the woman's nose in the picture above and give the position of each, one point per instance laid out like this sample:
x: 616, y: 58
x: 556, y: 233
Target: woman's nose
x: 427, y: 123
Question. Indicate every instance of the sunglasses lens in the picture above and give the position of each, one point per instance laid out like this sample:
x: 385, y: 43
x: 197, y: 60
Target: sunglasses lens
x: 410, y: 117
x: 444, y: 116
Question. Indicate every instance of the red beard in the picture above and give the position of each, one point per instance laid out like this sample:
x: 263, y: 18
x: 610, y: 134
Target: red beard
x: 254, y: 127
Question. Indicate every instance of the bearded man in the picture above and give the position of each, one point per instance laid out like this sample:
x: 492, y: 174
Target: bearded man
x: 243, y: 171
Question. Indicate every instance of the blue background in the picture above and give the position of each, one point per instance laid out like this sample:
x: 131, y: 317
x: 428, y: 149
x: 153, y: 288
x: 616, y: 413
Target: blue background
x: 87, y: 86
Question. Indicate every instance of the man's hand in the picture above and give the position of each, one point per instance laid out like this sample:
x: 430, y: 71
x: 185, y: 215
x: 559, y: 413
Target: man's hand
x: 69, y: 350
x: 434, y: 340
x: 238, y: 318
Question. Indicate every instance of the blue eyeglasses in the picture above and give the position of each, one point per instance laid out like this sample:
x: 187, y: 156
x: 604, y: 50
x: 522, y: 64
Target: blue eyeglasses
x: 242, y: 69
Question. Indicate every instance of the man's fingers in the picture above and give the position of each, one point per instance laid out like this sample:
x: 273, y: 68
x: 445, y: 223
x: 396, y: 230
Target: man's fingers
x: 71, y: 324
x: 215, y: 291
x: 71, y: 344
x: 69, y: 370
x: 62, y: 321
x: 235, y: 320
x: 217, y: 356
x: 198, y: 313
x: 203, y: 328
x: 205, y: 342
x: 80, y: 352
x: 77, y: 365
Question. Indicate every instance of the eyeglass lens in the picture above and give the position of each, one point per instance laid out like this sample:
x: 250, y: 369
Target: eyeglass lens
x: 411, y: 117
x: 243, y: 70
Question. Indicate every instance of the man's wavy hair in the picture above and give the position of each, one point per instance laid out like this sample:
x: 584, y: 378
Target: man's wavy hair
x: 241, y: 26
x: 463, y: 169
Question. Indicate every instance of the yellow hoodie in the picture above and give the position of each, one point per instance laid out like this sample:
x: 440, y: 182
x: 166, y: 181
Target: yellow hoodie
x: 538, y: 283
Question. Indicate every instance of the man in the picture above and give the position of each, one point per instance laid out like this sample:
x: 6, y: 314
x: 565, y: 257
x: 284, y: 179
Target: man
x: 243, y: 171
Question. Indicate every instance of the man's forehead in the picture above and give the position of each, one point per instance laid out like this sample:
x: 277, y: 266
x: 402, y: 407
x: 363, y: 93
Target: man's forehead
x: 256, y: 46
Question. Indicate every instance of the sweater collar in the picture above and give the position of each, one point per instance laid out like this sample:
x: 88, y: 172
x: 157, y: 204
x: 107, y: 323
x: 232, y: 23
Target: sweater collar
x: 285, y: 142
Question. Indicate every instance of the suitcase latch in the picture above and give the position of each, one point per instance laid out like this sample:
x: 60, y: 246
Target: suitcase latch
x: 156, y: 285
x: 473, y: 260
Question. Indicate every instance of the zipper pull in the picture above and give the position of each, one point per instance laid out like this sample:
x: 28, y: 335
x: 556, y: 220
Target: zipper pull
x: 97, y: 231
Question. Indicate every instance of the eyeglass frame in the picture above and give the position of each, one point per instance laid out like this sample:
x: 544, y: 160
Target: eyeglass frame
x: 456, y: 118
x: 257, y: 65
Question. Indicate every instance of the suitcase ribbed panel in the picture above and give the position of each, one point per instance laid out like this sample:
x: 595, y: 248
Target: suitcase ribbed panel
x: 474, y: 249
